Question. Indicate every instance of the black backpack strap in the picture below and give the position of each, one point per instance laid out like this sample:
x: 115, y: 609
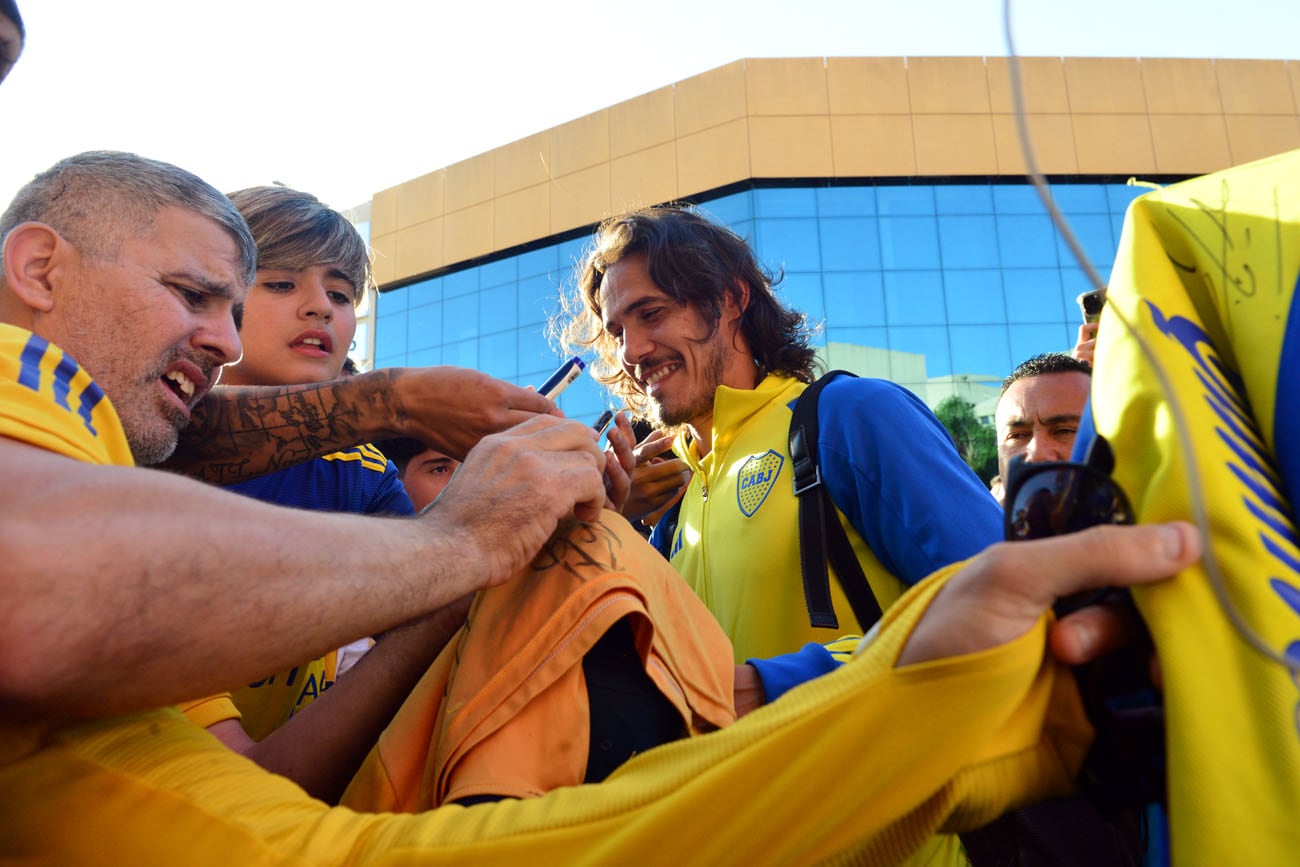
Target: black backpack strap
x: 820, y: 532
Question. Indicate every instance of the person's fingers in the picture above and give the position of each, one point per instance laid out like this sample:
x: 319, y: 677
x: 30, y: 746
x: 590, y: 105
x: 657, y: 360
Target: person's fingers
x: 1104, y: 556
x: 656, y: 443
x: 1002, y: 592
x: 1094, y: 631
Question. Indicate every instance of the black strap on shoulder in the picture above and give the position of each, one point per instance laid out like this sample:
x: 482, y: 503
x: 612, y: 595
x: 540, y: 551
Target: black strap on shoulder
x: 820, y: 532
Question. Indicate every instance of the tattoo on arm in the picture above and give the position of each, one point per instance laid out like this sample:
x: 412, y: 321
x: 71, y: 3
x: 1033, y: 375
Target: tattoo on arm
x: 239, y: 433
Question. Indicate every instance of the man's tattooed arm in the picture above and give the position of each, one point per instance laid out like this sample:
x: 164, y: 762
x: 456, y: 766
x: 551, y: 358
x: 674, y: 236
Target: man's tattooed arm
x: 241, y: 432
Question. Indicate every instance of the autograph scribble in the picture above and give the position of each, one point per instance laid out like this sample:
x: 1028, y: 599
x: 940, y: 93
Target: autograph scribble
x: 580, y: 549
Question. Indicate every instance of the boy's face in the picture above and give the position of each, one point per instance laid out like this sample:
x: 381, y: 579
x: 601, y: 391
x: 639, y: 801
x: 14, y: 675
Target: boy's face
x: 426, y: 475
x: 298, y: 327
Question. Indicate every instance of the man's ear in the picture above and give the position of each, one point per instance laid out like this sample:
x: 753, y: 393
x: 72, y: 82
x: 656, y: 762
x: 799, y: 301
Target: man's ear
x: 31, y: 253
x: 738, y: 298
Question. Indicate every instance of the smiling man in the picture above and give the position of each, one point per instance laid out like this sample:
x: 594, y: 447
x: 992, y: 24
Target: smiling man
x: 690, y: 333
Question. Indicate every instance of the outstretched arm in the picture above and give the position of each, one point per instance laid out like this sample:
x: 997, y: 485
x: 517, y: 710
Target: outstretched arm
x: 127, y: 588
x: 239, y: 432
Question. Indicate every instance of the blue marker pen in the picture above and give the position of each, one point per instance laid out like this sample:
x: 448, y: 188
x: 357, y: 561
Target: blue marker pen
x: 559, y: 381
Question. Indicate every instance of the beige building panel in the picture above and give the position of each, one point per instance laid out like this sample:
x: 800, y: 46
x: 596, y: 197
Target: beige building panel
x: 1190, y: 144
x: 1257, y: 87
x: 948, y: 85
x: 713, y: 158
x: 421, y: 199
x: 1098, y: 85
x: 644, y: 178
x: 385, y: 261
x: 1253, y: 137
x: 867, y: 85
x: 469, y: 182
x: 642, y: 123
x: 1114, y: 144
x: 1042, y: 81
x: 786, y: 86
x: 521, y: 216
x: 790, y: 147
x: 873, y: 145
x: 1293, y: 72
x: 468, y: 233
x: 417, y: 249
x: 709, y: 99
x: 580, y: 198
x: 1175, y: 86
x: 1050, y: 135
x: 383, y: 212
x: 580, y: 144
x: 954, y: 144
x: 522, y: 164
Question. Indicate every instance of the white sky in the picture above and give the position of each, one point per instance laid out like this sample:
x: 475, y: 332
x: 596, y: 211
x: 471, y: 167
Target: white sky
x: 343, y: 98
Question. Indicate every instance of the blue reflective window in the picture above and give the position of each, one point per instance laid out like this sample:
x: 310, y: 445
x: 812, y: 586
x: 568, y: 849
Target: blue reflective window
x: 1093, y: 233
x: 876, y: 339
x: 803, y: 292
x: 854, y: 298
x: 572, y: 253
x: 585, y: 399
x: 1030, y: 340
x: 537, y: 360
x: 460, y: 282
x: 424, y: 357
x: 393, y: 301
x: 1033, y: 295
x: 543, y: 260
x: 732, y: 209
x: 914, y: 298
x: 460, y: 318
x: 1026, y: 241
x: 980, y: 350
x: 850, y: 244
x: 498, y: 355
x: 390, y: 336
x: 789, y: 245
x: 785, y: 202
x: 1074, y: 282
x: 904, y: 200
x: 501, y: 271
x: 425, y: 292
x: 1017, y: 199
x: 497, y: 308
x: 964, y: 199
x: 909, y: 242
x: 1079, y: 198
x: 539, y: 299
x: 424, y: 327
x: 463, y: 353
x: 846, y: 202
x: 968, y: 242
x: 931, y: 343
x: 974, y: 297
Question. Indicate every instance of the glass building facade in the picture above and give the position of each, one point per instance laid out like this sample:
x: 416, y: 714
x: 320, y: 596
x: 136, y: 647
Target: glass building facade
x: 941, y: 287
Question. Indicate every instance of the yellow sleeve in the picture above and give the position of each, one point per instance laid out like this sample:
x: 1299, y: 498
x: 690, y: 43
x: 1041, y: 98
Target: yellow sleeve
x: 204, y: 712
x: 864, y: 763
